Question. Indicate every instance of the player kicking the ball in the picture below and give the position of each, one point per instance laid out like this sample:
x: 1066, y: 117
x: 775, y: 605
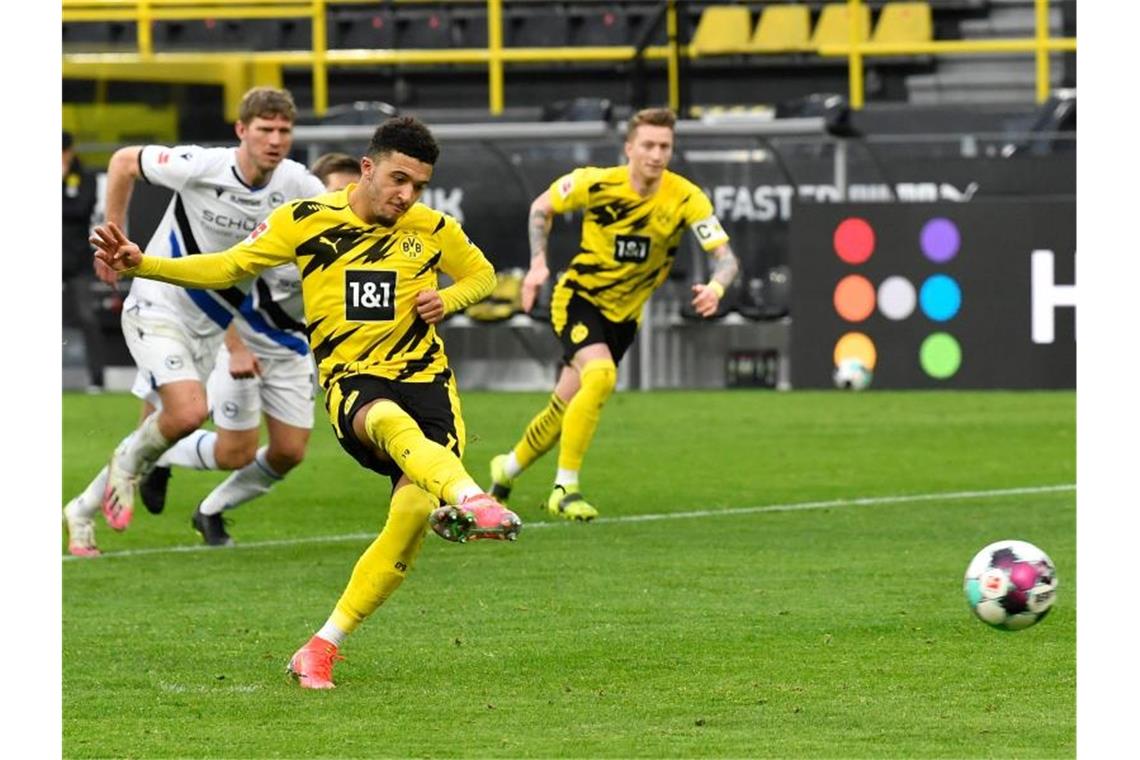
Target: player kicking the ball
x: 369, y: 257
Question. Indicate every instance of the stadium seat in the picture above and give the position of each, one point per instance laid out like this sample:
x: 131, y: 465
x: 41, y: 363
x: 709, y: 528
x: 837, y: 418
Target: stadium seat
x: 469, y: 27
x: 782, y: 29
x: 639, y: 17
x: 294, y: 34
x: 527, y: 27
x: 722, y: 30
x: 424, y: 28
x: 599, y: 26
x: 833, y: 27
x: 904, y: 22
x: 362, y: 29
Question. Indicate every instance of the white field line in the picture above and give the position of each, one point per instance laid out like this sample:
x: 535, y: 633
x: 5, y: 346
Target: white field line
x: 729, y: 512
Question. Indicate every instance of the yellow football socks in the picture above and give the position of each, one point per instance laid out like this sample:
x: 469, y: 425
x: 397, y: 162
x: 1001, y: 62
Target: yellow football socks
x: 599, y: 376
x: 382, y: 567
x: 430, y: 466
x: 542, y: 433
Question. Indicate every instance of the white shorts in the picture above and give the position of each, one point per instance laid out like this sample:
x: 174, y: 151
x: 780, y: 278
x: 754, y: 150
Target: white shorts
x: 165, y: 351
x: 284, y: 391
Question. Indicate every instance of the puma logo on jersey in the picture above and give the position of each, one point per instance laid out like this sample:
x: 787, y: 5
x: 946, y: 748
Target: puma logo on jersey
x: 330, y: 243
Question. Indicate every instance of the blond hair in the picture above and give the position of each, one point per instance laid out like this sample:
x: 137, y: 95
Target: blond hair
x: 265, y: 103
x: 654, y: 117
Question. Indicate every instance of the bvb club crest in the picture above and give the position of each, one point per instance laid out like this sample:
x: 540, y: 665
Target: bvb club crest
x: 412, y: 247
x: 578, y: 333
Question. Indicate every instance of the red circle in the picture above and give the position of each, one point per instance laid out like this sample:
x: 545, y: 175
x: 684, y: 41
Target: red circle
x: 854, y: 240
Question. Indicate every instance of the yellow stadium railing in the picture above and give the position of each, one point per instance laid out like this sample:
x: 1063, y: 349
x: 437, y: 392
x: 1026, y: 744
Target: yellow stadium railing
x: 236, y: 71
x: 1041, y: 45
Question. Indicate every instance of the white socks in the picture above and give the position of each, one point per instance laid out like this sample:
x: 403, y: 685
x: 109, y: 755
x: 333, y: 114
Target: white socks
x: 330, y: 633
x: 141, y: 450
x: 242, y: 485
x: 511, y: 467
x: 88, y: 503
x: 195, y: 451
x: 469, y: 492
x: 566, y: 477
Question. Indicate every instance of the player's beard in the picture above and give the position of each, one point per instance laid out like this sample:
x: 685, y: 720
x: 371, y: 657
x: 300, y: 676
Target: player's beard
x: 389, y: 220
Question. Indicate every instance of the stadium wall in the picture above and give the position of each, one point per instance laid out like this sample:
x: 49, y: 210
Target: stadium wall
x: 760, y: 186
x: 970, y: 295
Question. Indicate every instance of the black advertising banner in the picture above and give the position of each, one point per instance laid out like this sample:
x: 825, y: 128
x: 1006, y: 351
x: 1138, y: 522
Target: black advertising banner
x: 941, y: 295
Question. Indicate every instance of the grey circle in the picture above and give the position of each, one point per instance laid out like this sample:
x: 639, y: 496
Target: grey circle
x: 896, y: 298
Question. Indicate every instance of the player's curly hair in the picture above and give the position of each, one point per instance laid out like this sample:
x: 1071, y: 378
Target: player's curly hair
x: 266, y: 103
x: 407, y: 135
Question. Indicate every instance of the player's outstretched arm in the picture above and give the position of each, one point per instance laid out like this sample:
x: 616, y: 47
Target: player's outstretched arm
x: 538, y: 231
x: 706, y: 297
x: 211, y: 270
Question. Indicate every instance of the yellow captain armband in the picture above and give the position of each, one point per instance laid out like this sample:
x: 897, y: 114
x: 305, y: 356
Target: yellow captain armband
x: 716, y: 287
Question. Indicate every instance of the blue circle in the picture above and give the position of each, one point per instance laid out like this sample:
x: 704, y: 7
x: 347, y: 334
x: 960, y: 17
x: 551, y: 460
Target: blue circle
x: 940, y: 297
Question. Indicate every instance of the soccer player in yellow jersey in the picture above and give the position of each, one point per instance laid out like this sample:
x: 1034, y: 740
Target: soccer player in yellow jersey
x: 369, y: 257
x: 634, y: 217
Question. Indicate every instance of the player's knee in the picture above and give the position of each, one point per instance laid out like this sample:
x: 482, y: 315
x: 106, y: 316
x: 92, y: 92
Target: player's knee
x: 234, y: 457
x: 599, y: 378
x: 182, y: 420
x: 386, y: 420
x: 283, y: 457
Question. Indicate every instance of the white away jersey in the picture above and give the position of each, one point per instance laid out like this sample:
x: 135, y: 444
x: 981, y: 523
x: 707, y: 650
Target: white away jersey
x: 212, y: 210
x: 273, y: 314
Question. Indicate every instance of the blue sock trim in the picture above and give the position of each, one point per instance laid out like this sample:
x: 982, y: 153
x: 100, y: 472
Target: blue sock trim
x: 198, y: 450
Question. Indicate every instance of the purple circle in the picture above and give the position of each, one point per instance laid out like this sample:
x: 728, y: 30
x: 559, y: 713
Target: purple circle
x: 940, y: 240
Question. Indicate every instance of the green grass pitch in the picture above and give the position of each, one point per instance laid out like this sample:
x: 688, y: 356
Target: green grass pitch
x: 831, y: 625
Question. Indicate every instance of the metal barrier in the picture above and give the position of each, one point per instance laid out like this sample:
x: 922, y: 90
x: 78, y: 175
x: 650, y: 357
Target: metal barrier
x: 237, y: 71
x: 1040, y: 45
x: 230, y: 69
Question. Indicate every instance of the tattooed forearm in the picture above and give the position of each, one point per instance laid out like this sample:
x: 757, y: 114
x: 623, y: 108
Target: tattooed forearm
x: 539, y: 229
x: 725, y: 265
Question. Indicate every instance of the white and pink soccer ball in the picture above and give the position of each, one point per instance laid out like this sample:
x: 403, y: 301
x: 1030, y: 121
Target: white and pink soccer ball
x: 1011, y: 585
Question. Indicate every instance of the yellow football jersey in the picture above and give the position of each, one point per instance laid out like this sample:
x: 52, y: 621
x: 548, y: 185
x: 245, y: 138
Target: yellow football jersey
x: 628, y: 242
x: 358, y: 281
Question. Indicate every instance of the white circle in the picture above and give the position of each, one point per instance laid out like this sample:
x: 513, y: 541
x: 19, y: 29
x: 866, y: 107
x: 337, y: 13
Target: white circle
x: 896, y: 298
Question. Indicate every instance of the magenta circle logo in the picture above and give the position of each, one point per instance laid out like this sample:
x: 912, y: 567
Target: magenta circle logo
x: 940, y: 240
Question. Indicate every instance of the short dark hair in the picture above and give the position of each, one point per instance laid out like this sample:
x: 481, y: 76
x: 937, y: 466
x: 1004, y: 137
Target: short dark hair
x: 266, y: 103
x: 330, y: 163
x: 654, y: 117
x: 407, y: 135
x: 68, y: 139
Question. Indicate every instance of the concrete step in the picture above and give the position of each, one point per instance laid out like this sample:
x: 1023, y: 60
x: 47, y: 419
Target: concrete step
x: 1010, y: 22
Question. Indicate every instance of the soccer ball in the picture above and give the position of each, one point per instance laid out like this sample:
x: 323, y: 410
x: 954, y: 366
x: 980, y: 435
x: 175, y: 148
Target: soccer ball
x: 852, y: 375
x: 1011, y: 585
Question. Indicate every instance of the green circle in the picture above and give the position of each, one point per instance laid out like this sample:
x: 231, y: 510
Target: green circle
x: 940, y: 355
